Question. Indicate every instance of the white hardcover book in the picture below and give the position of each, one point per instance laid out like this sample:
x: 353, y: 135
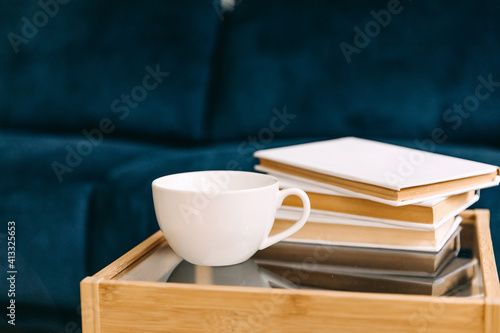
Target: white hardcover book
x: 309, y: 185
x: 388, y: 167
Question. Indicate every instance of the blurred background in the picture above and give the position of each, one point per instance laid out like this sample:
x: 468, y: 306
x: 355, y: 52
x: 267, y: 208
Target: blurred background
x: 98, y: 98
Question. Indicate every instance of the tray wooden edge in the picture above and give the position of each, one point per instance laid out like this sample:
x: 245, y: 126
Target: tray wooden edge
x: 132, y: 257
x: 479, y: 219
x: 489, y: 271
x: 486, y: 254
x: 90, y: 286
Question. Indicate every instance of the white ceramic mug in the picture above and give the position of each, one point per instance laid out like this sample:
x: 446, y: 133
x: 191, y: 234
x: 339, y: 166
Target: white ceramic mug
x: 218, y: 218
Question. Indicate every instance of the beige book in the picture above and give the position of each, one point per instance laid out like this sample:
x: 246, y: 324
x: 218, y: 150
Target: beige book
x: 429, y: 214
x: 370, y: 236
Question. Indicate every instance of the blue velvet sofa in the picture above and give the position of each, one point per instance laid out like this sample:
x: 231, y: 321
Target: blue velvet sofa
x: 98, y: 98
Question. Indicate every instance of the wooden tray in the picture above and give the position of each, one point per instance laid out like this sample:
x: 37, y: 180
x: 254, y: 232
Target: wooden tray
x: 111, y: 304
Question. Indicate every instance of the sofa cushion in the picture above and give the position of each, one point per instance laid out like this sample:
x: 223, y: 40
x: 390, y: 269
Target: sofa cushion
x: 51, y: 236
x: 70, y: 229
x: 52, y: 214
x: 397, y: 77
x: 145, y: 67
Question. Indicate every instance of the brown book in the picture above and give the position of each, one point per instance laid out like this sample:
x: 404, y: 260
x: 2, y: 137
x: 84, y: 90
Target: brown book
x: 431, y: 212
x: 383, y: 261
x: 459, y: 272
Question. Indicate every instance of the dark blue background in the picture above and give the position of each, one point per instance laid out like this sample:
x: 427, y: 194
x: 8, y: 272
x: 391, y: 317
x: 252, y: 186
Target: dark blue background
x: 228, y: 71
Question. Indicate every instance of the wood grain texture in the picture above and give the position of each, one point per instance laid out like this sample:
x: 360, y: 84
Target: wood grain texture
x: 89, y: 290
x: 486, y: 255
x: 492, y: 315
x: 111, y: 305
x: 148, y: 307
x: 489, y: 270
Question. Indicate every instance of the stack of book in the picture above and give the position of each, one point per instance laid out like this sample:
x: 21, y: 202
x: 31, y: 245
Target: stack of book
x: 387, y: 216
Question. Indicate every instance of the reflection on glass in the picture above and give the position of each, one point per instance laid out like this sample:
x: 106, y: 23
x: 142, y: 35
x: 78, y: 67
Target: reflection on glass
x: 246, y: 274
x: 307, y: 266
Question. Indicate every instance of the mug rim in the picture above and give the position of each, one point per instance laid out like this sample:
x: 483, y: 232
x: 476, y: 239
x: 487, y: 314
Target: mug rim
x: 157, y: 182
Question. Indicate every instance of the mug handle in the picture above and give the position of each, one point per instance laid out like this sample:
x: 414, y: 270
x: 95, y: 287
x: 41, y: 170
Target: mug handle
x: 268, y: 241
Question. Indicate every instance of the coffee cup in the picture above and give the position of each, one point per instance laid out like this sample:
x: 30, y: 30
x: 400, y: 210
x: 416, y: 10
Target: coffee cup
x: 219, y: 218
